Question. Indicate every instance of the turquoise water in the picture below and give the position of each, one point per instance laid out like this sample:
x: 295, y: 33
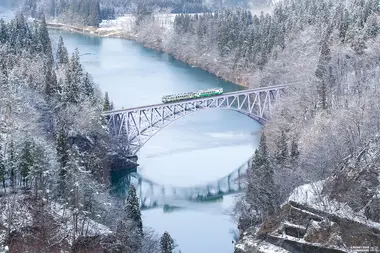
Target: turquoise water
x: 196, y: 149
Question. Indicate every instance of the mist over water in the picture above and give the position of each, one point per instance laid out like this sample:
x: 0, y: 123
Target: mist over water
x: 196, y: 149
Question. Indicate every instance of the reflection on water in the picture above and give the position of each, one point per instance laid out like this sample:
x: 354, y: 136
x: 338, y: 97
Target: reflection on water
x: 196, y: 149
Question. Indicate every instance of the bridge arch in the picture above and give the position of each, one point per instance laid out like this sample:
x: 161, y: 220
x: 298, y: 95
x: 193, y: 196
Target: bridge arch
x: 135, y: 126
x: 169, y: 121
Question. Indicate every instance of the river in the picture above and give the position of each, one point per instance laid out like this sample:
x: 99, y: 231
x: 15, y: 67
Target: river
x: 196, y: 149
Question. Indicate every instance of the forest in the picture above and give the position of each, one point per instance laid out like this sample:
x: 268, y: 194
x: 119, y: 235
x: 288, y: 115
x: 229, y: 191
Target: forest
x: 326, y: 123
x: 325, y: 131
x: 55, y: 153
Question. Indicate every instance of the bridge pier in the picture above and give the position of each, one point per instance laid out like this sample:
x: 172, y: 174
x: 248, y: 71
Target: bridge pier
x: 151, y: 189
x: 163, y: 191
x: 229, y: 183
x: 140, y: 189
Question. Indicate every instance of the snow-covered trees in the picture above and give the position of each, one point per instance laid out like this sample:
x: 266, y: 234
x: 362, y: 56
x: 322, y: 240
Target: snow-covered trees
x: 129, y: 229
x: 54, y: 148
x: 132, y: 210
x: 261, y: 193
x: 327, y: 117
x: 167, y: 243
x: 62, y: 56
x: 80, y: 12
x: 2, y: 167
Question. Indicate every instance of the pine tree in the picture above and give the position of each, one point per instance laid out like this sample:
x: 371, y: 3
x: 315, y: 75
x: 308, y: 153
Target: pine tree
x: 3, y: 32
x: 2, y: 167
x: 94, y: 16
x: 45, y: 42
x: 167, y: 243
x: 12, y: 163
x: 372, y: 29
x: 344, y: 24
x: 63, y: 158
x: 88, y: 86
x: 282, y: 148
x: 294, y: 152
x: 51, y: 85
x: 129, y: 229
x: 62, y: 54
x: 261, y: 193
x: 106, y: 103
x: 132, y: 210
x: 263, y: 148
x: 26, y: 160
x: 73, y: 79
x: 322, y: 73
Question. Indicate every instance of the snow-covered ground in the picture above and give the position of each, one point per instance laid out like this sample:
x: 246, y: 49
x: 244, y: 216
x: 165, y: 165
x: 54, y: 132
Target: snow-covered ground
x: 310, y: 194
x: 126, y: 23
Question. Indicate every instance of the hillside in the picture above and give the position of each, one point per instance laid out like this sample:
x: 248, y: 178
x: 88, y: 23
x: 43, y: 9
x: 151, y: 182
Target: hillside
x: 329, y: 51
x: 56, y: 153
x: 324, y: 129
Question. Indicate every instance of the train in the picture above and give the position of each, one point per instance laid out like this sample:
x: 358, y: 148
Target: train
x: 192, y: 95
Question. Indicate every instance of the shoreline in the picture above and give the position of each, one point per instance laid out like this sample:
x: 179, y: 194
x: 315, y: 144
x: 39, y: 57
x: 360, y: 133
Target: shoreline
x: 95, y: 31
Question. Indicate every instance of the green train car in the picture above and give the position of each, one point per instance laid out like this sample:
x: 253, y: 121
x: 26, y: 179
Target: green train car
x: 192, y: 95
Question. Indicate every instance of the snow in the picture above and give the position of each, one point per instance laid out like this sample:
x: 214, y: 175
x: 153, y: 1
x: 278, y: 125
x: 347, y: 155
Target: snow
x: 4, y: 249
x: 310, y: 194
x: 261, y: 246
x: 126, y: 23
x: 17, y: 211
x: 62, y: 214
x: 288, y: 224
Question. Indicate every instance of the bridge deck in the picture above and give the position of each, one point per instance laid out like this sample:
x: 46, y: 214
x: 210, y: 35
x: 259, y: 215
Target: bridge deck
x: 241, y: 92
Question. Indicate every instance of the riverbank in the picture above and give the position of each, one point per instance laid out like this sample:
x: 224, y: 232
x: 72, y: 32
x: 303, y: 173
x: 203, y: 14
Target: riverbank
x: 92, y: 31
x: 123, y: 33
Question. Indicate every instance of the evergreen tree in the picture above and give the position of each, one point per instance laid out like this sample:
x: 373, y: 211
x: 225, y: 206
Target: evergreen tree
x: 45, y: 42
x: 62, y: 54
x: 94, y: 16
x: 88, y: 86
x: 26, y: 160
x: 3, y: 32
x: 12, y: 164
x: 63, y: 158
x: 106, y: 103
x: 167, y: 243
x: 73, y: 79
x: 129, y: 229
x: 344, y: 23
x: 132, y: 210
x: 322, y: 73
x: 294, y: 152
x: 2, y: 167
x: 261, y: 193
x: 263, y: 148
x: 51, y: 85
x: 282, y: 148
x: 372, y: 29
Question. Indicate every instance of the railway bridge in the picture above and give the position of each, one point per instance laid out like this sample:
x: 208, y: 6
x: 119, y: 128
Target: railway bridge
x: 135, y: 126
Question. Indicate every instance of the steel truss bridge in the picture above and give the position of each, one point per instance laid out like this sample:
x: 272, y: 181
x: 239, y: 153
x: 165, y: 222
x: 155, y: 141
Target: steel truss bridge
x: 135, y: 126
